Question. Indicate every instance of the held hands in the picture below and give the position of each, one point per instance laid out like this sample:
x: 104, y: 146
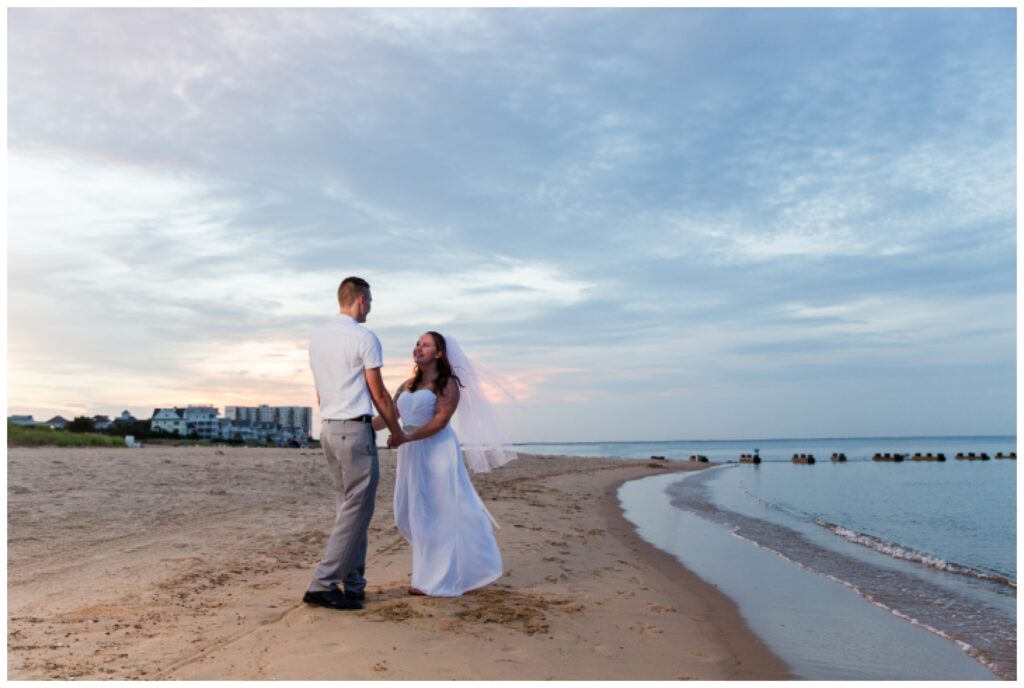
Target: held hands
x: 394, y: 441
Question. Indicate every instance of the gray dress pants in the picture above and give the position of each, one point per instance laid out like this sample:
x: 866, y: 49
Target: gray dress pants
x: 351, y: 452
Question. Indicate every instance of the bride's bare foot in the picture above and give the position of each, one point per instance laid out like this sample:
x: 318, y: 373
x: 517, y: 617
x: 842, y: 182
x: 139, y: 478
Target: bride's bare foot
x: 415, y: 591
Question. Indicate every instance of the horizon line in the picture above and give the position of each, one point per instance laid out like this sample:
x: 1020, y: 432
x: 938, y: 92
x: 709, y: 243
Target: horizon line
x: 766, y: 439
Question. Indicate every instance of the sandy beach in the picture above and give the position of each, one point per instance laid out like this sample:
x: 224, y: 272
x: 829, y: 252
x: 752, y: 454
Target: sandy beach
x: 190, y: 563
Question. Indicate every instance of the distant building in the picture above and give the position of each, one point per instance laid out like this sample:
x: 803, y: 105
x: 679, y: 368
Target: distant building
x: 101, y: 422
x: 298, y: 420
x: 170, y: 420
x: 296, y: 417
x: 283, y: 425
x: 125, y: 418
x: 203, y: 421
x: 26, y: 421
x: 199, y: 420
x: 250, y: 414
x: 58, y: 422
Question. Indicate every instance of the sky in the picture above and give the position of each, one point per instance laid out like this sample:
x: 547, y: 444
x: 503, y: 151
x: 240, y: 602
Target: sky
x: 647, y: 224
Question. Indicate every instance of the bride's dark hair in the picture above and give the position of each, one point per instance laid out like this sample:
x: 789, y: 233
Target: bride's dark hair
x: 444, y: 368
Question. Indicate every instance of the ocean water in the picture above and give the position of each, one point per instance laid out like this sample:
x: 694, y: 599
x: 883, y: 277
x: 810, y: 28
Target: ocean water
x: 932, y: 544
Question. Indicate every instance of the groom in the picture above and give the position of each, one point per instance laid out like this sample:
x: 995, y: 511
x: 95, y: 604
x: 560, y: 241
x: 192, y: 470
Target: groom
x: 346, y: 359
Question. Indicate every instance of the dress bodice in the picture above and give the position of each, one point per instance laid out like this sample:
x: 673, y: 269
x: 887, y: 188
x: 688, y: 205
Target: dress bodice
x: 416, y: 408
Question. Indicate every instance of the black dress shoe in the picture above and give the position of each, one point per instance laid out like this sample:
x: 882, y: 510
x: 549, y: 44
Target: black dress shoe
x: 330, y: 598
x: 356, y: 595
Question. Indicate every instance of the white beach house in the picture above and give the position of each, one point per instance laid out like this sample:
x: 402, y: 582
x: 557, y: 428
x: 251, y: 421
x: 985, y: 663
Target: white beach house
x: 170, y: 420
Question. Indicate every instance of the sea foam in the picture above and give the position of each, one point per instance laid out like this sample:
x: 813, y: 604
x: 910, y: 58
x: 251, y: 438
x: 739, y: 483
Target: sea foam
x: 898, y: 551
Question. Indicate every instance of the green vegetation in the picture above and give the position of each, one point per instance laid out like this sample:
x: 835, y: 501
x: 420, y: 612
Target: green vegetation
x: 80, y: 433
x: 139, y: 429
x: 81, y: 424
x: 20, y: 436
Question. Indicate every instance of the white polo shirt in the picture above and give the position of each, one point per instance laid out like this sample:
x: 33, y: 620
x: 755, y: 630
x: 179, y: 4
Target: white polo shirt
x: 339, y: 351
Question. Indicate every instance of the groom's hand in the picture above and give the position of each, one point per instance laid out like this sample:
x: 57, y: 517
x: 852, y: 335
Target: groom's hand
x: 394, y: 441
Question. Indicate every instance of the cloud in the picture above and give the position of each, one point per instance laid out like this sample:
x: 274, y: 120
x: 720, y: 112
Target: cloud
x: 637, y: 201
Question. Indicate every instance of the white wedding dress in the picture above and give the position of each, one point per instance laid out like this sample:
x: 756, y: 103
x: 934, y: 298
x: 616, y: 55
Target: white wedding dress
x: 438, y: 511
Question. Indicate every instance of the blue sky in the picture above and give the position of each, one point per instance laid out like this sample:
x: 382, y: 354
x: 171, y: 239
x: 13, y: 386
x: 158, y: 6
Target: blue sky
x: 649, y: 224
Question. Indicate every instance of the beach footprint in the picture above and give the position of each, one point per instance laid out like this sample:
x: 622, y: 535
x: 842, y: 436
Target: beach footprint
x: 645, y: 628
x: 659, y: 609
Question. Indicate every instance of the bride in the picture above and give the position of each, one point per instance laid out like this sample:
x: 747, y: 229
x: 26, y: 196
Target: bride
x: 436, y: 508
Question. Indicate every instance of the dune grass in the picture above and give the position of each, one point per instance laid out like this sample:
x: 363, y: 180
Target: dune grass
x: 20, y: 436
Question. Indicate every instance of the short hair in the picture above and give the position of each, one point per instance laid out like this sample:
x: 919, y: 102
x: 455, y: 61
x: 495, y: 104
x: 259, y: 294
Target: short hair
x: 350, y: 289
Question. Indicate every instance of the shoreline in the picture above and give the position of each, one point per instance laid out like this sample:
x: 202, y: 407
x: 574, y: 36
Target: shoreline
x: 723, y: 613
x: 794, y: 606
x: 189, y: 563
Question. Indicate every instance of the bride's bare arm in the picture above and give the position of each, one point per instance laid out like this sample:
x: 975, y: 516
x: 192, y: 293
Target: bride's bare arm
x: 447, y: 402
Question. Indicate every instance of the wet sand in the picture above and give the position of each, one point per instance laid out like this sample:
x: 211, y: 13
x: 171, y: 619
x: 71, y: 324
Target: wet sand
x: 190, y: 563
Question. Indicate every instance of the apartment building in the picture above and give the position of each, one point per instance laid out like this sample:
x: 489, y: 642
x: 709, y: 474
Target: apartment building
x: 280, y: 424
x: 299, y: 418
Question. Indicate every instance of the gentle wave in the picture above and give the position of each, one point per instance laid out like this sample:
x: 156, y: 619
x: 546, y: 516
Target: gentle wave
x: 788, y: 510
x: 981, y: 631
x: 890, y: 548
x: 907, y: 554
x: 964, y: 646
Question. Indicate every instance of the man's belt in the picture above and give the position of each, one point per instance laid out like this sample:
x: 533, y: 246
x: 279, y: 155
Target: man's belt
x: 357, y: 419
